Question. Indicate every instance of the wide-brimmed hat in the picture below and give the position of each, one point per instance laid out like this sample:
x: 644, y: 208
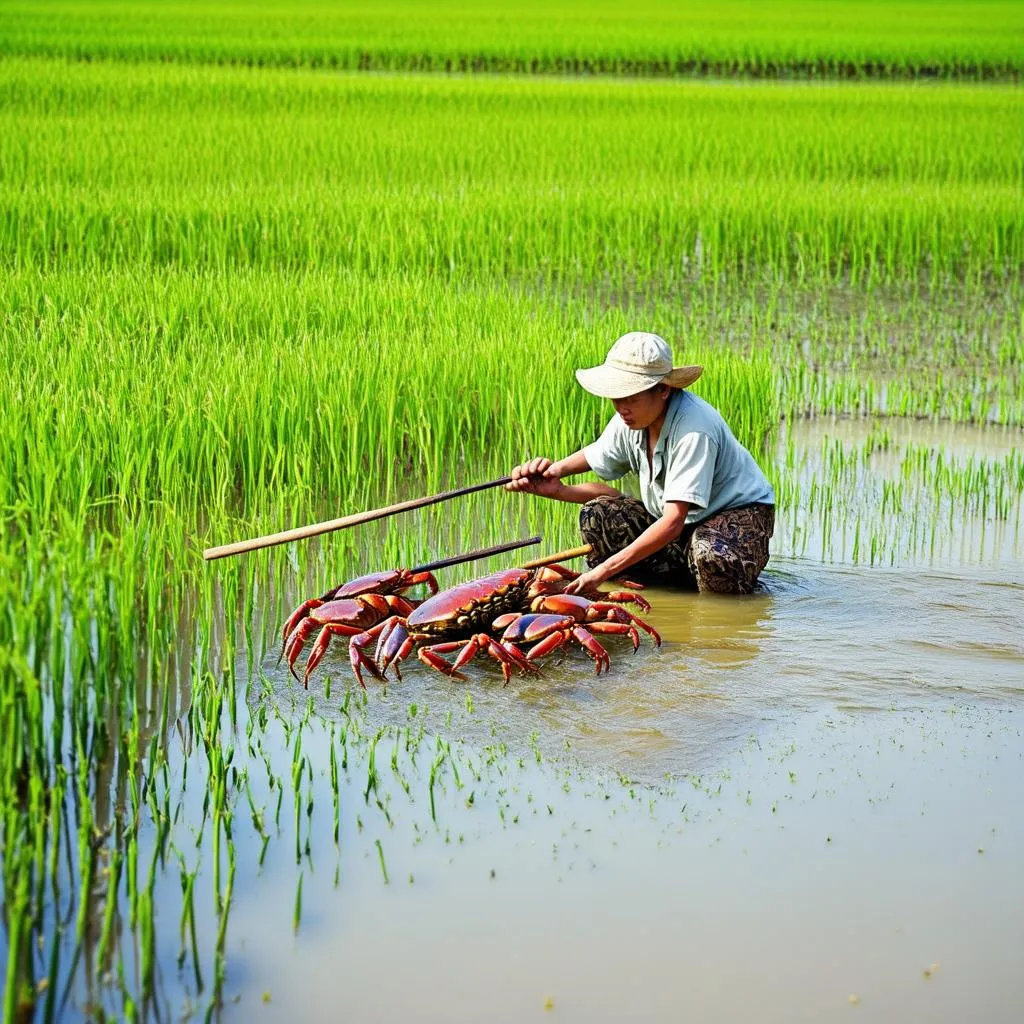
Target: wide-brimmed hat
x: 637, y: 361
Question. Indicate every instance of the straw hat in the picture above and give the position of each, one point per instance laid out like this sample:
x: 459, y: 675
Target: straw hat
x: 637, y: 361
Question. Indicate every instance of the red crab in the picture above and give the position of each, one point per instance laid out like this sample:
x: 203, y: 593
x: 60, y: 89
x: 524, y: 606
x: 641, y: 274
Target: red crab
x: 459, y: 618
x: 352, y: 608
x: 391, y: 581
x: 347, y: 617
x: 557, y: 618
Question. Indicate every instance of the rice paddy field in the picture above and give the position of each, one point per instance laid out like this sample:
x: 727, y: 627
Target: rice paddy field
x: 262, y: 266
x: 784, y: 39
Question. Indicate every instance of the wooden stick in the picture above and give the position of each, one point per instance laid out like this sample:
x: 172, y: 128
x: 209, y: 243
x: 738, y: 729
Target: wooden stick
x: 473, y: 556
x: 559, y: 556
x: 302, y: 532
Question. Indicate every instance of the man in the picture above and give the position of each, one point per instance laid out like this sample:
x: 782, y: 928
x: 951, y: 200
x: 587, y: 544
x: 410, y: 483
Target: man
x: 707, y: 511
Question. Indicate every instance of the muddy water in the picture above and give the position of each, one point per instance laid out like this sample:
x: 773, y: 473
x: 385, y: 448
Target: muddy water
x: 804, y: 806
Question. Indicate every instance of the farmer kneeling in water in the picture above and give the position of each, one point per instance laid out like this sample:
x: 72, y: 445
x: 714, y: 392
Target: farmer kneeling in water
x: 707, y: 511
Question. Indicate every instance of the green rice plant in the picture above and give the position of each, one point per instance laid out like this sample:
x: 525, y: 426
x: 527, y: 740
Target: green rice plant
x: 335, y: 796
x: 864, y: 501
x: 853, y: 39
x: 113, y: 885
x: 577, y: 182
x: 380, y: 858
x: 188, y: 920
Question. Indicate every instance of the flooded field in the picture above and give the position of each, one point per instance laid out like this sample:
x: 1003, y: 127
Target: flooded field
x: 238, y: 299
x: 841, y: 857
x: 802, y: 806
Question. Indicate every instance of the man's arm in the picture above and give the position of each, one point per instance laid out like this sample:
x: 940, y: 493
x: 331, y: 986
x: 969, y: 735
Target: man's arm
x: 659, y: 534
x: 544, y: 477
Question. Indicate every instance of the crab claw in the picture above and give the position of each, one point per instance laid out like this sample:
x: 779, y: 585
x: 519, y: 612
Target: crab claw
x: 391, y: 641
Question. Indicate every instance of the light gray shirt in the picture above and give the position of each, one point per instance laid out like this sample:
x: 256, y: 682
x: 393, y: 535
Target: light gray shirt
x: 696, y: 459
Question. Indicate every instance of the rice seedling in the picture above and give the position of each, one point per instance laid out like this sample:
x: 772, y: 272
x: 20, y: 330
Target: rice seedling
x: 297, y: 914
x: 380, y: 858
x: 878, y: 501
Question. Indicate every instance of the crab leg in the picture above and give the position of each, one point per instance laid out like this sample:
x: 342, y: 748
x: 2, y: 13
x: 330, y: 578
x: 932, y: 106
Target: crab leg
x: 432, y: 656
x: 565, y: 573
x: 570, y: 574
x: 506, y: 656
x: 295, y: 618
x: 358, y: 659
x: 626, y: 628
x: 629, y: 584
x: 593, y: 648
x: 616, y: 613
x: 296, y: 642
x: 468, y: 649
x: 422, y: 577
x: 625, y: 597
x: 550, y: 643
x: 562, y: 570
x: 559, y: 637
x: 323, y: 642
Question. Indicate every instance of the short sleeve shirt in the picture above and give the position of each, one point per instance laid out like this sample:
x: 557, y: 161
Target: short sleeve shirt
x: 697, y: 459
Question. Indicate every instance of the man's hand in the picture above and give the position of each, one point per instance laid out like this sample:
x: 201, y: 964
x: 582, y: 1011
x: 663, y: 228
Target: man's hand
x: 589, y: 580
x: 538, y: 476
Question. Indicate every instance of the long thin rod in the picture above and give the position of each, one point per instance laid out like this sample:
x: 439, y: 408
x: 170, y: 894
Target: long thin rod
x: 473, y: 556
x: 559, y: 556
x: 302, y: 532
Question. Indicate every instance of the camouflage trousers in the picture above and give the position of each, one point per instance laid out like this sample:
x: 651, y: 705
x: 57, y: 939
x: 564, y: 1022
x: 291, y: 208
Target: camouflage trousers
x: 725, y: 553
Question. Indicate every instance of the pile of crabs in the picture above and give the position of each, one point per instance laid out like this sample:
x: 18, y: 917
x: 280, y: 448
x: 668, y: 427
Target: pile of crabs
x: 515, y: 615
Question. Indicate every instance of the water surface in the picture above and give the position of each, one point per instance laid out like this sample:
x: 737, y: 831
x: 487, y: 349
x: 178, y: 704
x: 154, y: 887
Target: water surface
x: 804, y: 805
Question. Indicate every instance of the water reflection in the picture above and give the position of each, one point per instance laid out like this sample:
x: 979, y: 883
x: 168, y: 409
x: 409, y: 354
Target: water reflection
x: 727, y: 629
x: 120, y: 771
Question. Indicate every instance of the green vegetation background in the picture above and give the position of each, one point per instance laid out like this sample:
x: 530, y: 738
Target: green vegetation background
x: 803, y: 38
x: 238, y: 299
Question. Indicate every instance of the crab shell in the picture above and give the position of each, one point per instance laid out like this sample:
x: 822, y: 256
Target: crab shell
x: 473, y: 606
x: 386, y: 582
x: 351, y: 610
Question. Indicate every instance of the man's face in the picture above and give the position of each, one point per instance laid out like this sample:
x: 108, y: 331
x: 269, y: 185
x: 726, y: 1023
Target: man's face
x: 639, y: 411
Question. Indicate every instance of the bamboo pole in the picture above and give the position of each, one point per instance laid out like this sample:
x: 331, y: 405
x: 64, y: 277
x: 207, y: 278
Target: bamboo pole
x: 314, y: 530
x: 559, y: 556
x: 473, y: 556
